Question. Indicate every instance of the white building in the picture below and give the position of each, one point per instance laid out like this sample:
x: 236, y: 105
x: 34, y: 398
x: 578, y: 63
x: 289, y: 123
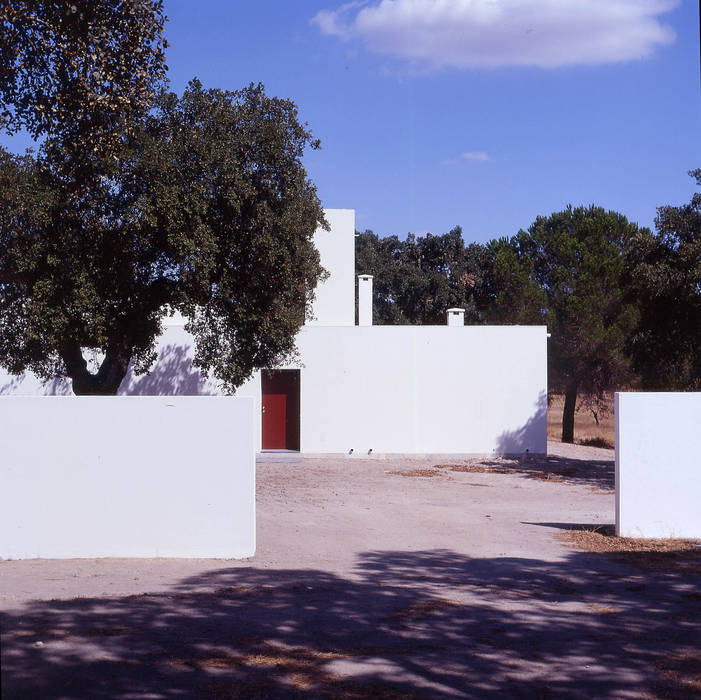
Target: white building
x: 364, y: 389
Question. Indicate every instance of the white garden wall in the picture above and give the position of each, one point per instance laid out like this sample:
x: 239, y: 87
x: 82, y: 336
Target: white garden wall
x: 126, y: 477
x: 423, y: 389
x: 658, y: 464
x: 392, y: 389
x: 397, y: 389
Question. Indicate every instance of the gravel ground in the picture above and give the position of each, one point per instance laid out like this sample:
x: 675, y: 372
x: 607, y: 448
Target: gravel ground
x: 372, y: 578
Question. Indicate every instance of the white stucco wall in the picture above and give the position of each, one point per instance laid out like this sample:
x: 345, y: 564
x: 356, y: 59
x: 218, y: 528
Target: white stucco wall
x: 658, y: 464
x: 126, y: 477
x: 423, y: 389
x: 392, y: 389
x: 335, y: 297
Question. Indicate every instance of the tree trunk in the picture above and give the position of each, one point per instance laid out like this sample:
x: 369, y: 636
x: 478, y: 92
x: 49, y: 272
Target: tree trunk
x: 107, y: 379
x: 568, y: 411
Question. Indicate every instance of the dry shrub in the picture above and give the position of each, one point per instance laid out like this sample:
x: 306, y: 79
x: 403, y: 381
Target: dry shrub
x: 597, y: 442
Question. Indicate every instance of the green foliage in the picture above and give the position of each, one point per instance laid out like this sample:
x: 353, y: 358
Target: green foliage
x: 509, y: 293
x: 139, y: 201
x: 417, y: 279
x: 209, y: 212
x: 666, y: 277
x: 578, y: 257
x: 615, y: 297
x: 79, y: 71
x: 569, y: 271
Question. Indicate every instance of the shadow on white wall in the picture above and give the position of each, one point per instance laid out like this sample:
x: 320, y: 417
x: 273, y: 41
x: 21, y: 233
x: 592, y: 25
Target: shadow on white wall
x: 172, y: 375
x: 28, y: 384
x: 530, y: 435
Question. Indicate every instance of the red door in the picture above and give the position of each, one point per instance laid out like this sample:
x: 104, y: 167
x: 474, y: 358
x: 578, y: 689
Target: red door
x: 274, y: 421
x: 280, y: 389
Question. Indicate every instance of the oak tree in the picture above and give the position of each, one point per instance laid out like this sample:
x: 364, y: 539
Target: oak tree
x: 209, y: 211
x: 79, y: 72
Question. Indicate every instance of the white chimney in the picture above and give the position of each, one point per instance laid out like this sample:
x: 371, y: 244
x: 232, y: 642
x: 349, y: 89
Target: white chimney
x: 456, y: 317
x: 365, y: 300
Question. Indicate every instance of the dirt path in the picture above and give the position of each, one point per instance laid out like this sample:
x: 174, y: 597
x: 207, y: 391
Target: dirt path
x: 372, y: 578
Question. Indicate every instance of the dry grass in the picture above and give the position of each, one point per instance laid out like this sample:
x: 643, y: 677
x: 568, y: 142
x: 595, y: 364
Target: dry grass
x: 416, y: 472
x: 479, y: 467
x: 586, y: 431
x: 300, y: 669
x: 684, y: 670
x: 528, y: 469
x: 663, y: 555
x: 427, y: 607
x: 467, y: 468
x: 604, y: 609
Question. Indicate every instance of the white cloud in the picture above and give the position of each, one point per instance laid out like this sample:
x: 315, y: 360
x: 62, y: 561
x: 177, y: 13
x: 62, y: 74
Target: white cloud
x: 475, y: 155
x: 480, y: 156
x: 495, y: 33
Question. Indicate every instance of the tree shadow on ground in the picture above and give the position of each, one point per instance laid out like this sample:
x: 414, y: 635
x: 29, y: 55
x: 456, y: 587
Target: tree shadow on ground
x: 406, y: 624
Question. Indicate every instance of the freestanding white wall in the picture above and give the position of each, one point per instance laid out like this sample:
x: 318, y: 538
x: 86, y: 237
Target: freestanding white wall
x: 423, y: 389
x: 126, y: 477
x: 658, y: 464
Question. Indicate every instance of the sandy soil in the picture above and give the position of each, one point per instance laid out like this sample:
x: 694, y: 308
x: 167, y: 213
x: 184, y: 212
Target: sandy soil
x: 372, y: 578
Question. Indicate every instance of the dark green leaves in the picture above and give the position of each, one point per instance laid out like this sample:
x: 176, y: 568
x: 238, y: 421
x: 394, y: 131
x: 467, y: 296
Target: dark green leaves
x: 418, y: 279
x: 666, y: 276
x: 79, y: 71
x: 210, y: 212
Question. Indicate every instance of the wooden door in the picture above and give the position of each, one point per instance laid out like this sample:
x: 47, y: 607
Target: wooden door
x: 280, y: 419
x: 274, y: 421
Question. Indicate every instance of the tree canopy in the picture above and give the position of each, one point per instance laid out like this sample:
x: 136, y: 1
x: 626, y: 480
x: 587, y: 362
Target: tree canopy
x: 79, y: 72
x: 568, y: 271
x: 576, y: 261
x: 666, y: 277
x: 139, y: 203
x: 210, y: 213
x: 417, y: 279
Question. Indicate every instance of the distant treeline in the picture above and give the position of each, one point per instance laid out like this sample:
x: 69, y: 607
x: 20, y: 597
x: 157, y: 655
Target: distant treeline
x: 622, y: 303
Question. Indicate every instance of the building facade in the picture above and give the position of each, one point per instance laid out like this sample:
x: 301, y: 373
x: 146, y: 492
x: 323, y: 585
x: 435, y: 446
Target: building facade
x: 371, y: 390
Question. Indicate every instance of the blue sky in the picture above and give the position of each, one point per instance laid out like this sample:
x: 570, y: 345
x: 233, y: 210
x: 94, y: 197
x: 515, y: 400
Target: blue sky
x: 478, y: 113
